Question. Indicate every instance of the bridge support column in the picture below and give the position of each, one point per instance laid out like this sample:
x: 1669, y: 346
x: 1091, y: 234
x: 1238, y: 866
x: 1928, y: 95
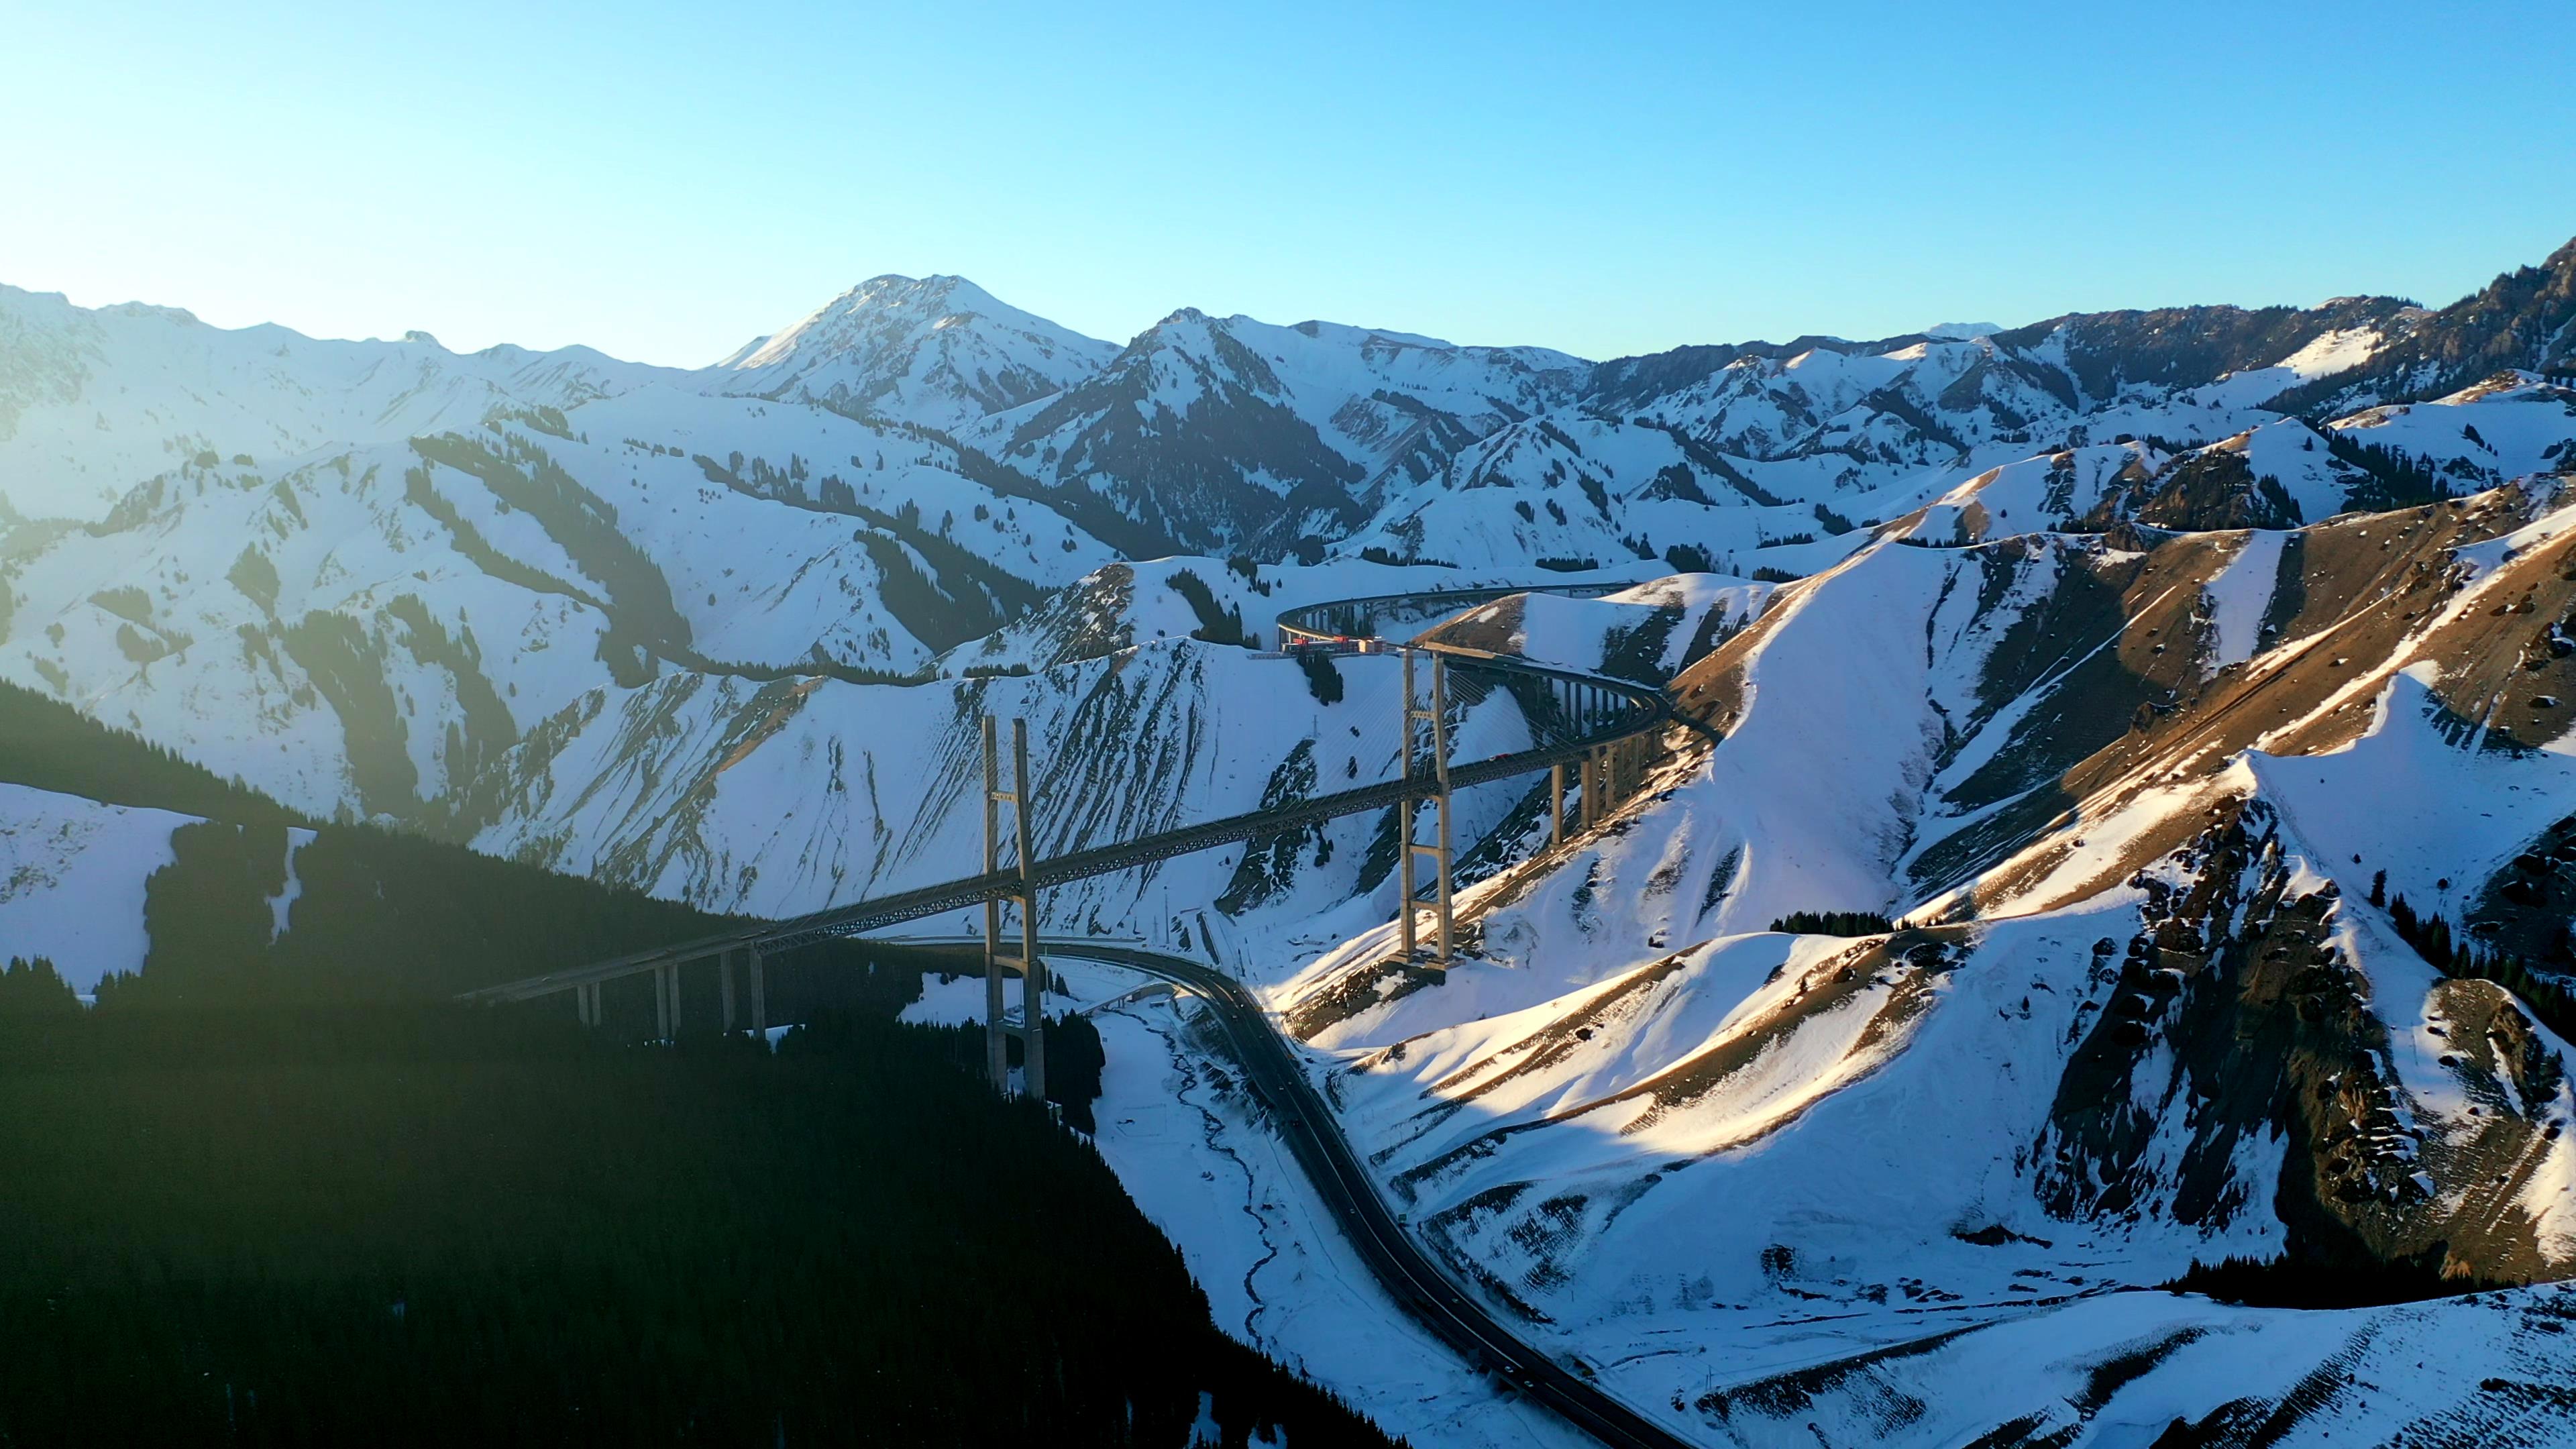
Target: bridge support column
x: 1596, y: 787
x: 1556, y: 804
x: 1032, y: 969
x: 665, y: 987
x: 724, y: 988
x: 585, y: 1003
x: 1437, y: 718
x: 759, y: 994
x: 997, y: 1058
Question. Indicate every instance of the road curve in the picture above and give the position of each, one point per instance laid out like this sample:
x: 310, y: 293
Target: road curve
x: 1400, y: 1265
x: 1402, y: 1268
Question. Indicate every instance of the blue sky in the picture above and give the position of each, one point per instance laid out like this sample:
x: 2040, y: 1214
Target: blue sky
x: 665, y: 181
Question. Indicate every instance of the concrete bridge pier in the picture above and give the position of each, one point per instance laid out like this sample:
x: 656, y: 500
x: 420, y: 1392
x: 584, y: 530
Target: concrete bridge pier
x: 1437, y: 718
x: 724, y: 989
x: 759, y: 994
x: 997, y: 1053
x: 997, y: 1059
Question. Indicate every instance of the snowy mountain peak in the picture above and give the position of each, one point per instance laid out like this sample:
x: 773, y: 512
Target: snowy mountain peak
x: 860, y: 316
x: 937, y: 350
x: 175, y: 316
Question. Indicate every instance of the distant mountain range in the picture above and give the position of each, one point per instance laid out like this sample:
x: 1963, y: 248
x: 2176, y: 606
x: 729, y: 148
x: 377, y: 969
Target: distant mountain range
x: 2135, y: 664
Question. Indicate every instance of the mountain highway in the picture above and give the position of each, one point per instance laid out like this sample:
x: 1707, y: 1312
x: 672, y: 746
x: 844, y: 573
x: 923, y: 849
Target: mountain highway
x: 1618, y: 710
x: 1400, y: 1265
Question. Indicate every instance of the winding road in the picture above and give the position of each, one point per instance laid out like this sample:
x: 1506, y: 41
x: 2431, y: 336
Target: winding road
x: 1604, y: 711
x: 1399, y: 1264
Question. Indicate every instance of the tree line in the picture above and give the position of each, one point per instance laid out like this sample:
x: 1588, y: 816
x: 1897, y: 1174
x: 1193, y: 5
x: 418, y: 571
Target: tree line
x: 278, y: 1188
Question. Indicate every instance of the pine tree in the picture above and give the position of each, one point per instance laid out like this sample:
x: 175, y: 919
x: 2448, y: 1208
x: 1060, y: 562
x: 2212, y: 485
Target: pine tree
x: 29, y: 988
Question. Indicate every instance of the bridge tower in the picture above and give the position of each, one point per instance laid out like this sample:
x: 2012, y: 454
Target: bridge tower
x: 1032, y: 1028
x: 1437, y: 782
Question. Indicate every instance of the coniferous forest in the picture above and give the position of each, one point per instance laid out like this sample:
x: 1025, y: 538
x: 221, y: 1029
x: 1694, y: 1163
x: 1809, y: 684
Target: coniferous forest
x: 278, y: 1189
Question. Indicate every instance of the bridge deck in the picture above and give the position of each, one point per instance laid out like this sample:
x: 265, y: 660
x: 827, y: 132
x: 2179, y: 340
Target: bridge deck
x: 1644, y: 710
x: 1647, y: 710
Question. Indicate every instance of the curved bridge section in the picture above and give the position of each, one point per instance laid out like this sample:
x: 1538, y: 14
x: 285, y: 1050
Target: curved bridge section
x: 1572, y: 715
x: 1372, y: 617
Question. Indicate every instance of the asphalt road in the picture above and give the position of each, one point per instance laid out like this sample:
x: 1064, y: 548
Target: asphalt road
x: 1402, y: 1268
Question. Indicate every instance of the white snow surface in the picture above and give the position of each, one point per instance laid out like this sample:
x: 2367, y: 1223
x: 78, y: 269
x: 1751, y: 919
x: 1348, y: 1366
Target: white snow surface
x: 2239, y: 595
x: 2509, y: 427
x: 2407, y: 799
x: 71, y: 881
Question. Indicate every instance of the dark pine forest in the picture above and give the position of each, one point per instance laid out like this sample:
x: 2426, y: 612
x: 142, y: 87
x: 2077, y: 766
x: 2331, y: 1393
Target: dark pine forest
x: 277, y: 1189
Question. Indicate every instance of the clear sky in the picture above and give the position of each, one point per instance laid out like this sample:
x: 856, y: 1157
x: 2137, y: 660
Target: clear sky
x: 665, y: 181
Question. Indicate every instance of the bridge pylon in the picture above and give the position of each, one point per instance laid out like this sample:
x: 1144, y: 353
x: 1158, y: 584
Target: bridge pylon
x: 1032, y: 1028
x: 1436, y: 784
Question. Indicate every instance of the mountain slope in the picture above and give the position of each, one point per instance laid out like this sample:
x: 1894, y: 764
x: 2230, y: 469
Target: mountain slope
x: 2525, y: 319
x: 94, y: 401
x: 1226, y: 434
x: 375, y: 629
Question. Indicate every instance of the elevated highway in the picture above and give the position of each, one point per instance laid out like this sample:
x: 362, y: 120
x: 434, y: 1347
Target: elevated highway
x: 1597, y: 711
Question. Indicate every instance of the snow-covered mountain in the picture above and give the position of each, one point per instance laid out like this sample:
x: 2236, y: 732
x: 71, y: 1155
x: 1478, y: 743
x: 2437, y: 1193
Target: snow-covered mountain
x: 2138, y: 663
x: 939, y: 351
x: 1225, y: 434
x: 93, y: 402
x: 375, y: 628
x: 2525, y: 319
x: 2149, y: 802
